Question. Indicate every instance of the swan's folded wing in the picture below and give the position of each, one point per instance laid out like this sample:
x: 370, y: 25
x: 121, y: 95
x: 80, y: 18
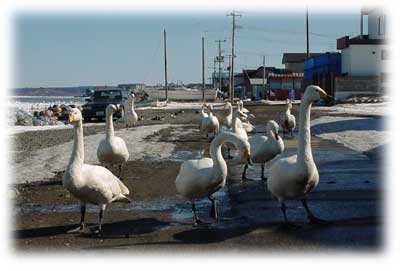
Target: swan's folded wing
x: 102, y: 180
x: 119, y: 146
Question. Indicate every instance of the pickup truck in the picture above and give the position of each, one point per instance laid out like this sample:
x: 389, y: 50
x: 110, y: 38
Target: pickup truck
x: 95, y: 108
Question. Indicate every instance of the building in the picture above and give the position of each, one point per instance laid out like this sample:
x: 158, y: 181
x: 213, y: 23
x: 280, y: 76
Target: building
x: 295, y: 61
x: 364, y: 58
x: 322, y: 70
x: 274, y: 86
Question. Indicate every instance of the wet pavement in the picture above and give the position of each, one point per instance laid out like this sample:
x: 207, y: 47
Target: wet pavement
x: 349, y: 196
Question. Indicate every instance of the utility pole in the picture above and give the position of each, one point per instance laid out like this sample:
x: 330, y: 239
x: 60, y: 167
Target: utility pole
x: 213, y: 77
x: 307, y: 38
x: 202, y: 68
x: 165, y: 65
x: 230, y: 67
x: 264, y: 88
x: 231, y: 91
x: 361, y: 25
x: 219, y: 59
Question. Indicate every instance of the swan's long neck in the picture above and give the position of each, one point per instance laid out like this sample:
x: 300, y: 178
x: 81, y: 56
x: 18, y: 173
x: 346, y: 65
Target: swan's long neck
x: 132, y: 103
x: 77, y: 157
x: 219, y: 164
x: 270, y: 134
x: 304, y: 152
x: 230, y: 109
x: 287, y: 112
x: 235, y: 122
x: 109, y: 125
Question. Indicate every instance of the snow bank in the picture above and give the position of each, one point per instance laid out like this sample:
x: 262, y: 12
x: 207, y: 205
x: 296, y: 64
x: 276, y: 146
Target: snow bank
x: 359, y: 134
x: 366, y: 109
x: 44, y: 163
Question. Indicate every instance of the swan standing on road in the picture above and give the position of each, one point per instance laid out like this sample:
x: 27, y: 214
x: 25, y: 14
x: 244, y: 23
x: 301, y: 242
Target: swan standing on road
x: 130, y: 117
x: 88, y: 183
x: 295, y: 176
x: 112, y: 149
x: 201, y: 178
x: 210, y: 124
x: 265, y: 147
x: 227, y: 120
x: 289, y: 121
x: 250, y: 128
x: 201, y: 116
x: 237, y: 128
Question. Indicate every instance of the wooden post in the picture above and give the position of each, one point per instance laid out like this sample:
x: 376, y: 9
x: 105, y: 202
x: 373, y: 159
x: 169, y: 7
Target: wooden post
x: 165, y: 65
x: 202, y: 68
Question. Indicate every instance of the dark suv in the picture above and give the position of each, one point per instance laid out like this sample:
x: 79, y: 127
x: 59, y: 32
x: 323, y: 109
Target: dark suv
x: 96, y: 106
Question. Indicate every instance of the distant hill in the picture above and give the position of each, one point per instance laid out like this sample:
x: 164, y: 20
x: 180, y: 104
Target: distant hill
x: 66, y: 91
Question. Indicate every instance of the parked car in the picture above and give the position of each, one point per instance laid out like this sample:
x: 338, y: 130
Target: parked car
x: 95, y: 108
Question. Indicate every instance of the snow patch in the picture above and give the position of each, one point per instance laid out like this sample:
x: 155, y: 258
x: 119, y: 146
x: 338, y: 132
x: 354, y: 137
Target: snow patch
x: 359, y: 134
x: 45, y: 163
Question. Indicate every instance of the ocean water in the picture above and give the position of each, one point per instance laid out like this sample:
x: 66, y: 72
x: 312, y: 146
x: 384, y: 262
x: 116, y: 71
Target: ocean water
x: 38, y: 103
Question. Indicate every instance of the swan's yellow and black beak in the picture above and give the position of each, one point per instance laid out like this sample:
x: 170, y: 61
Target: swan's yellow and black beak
x: 71, y: 118
x: 325, y: 95
x: 247, y: 156
x: 276, y: 135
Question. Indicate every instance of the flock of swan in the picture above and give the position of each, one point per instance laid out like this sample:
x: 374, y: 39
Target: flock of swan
x: 288, y: 178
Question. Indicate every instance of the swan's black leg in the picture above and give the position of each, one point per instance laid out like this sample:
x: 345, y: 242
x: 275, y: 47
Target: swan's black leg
x: 244, y: 172
x: 311, y: 217
x: 196, y: 220
x: 195, y: 217
x: 119, y: 171
x: 82, y: 223
x: 101, y: 214
x: 213, y: 212
x: 262, y: 173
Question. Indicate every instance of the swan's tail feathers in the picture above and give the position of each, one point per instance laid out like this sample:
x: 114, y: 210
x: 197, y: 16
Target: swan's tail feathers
x: 124, y: 189
x: 121, y: 198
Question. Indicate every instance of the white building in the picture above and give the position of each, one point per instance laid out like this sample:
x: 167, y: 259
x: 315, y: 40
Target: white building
x: 364, y: 57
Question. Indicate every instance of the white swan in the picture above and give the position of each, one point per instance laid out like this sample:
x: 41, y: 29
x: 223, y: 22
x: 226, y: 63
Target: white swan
x: 130, y: 116
x: 241, y: 108
x: 237, y: 128
x: 250, y: 128
x: 295, y: 176
x: 265, y: 147
x: 201, y: 178
x: 289, y: 121
x: 89, y: 183
x: 200, y: 116
x: 112, y: 149
x: 227, y: 120
x: 210, y: 124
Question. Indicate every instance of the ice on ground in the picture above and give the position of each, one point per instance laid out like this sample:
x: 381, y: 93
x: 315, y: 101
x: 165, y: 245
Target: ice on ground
x: 45, y: 163
x: 362, y: 109
x: 360, y: 134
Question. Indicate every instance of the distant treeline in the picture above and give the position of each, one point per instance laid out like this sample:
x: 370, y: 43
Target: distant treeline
x: 62, y: 91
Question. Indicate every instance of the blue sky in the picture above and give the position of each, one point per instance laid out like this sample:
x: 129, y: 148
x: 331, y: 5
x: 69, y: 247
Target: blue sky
x: 72, y: 50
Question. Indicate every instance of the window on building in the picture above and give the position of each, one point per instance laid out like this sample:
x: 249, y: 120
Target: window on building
x: 297, y: 84
x: 384, y: 55
x: 381, y: 25
x: 275, y: 85
x: 287, y: 85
